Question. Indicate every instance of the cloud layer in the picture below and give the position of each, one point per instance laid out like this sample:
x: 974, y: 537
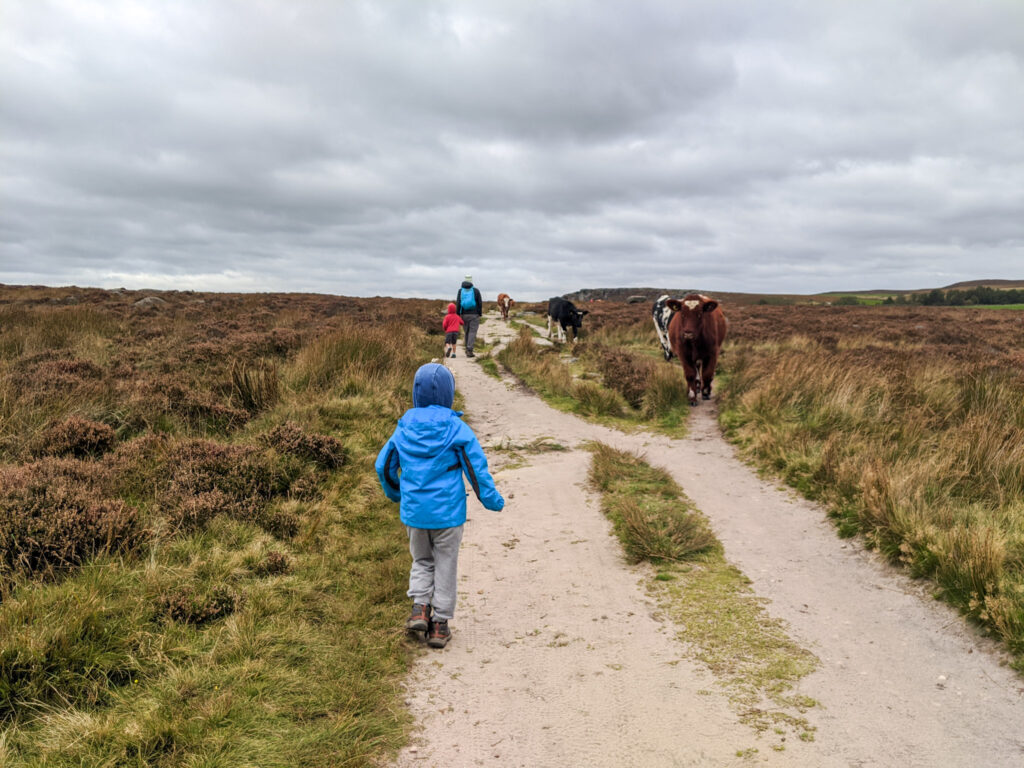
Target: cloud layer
x: 387, y: 148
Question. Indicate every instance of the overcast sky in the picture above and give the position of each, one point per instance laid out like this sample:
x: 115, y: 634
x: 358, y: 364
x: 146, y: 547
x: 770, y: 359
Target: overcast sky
x: 389, y: 148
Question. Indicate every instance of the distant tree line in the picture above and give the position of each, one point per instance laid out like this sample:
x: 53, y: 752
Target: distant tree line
x: 960, y: 297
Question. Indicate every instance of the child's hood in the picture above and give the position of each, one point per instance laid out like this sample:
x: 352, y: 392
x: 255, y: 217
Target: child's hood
x: 433, y: 385
x: 451, y: 308
x: 427, y: 432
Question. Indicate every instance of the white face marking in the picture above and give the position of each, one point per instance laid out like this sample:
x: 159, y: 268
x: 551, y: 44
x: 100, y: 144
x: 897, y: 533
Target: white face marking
x: 691, y: 304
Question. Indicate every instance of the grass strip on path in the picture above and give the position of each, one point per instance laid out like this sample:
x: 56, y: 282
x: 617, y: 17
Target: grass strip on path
x: 720, y: 619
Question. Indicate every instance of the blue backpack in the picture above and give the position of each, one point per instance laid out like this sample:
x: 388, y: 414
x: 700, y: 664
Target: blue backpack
x: 467, y: 299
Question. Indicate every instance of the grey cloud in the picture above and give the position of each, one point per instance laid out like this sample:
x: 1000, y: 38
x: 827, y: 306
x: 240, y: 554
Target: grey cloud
x: 325, y: 146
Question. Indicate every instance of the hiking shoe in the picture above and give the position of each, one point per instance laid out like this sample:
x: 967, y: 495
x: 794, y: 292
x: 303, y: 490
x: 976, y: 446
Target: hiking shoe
x: 470, y: 354
x: 453, y: 354
x: 439, y: 634
x: 419, y: 619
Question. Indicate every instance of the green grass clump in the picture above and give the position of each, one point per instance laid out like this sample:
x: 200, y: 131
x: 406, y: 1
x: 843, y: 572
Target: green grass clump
x: 711, y: 602
x: 650, y: 515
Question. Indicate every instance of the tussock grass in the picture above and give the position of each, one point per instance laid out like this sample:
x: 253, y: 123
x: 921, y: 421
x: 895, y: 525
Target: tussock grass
x: 718, y: 617
x: 925, y: 460
x: 255, y: 387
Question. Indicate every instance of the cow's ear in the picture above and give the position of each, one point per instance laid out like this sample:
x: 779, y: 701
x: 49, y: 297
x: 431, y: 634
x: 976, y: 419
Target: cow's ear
x: 584, y: 312
x: 710, y: 306
x: 674, y: 305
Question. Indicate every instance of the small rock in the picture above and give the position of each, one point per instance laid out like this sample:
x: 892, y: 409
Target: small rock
x: 150, y: 301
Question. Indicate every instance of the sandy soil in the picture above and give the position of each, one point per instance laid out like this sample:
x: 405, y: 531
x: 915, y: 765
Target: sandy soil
x: 559, y: 658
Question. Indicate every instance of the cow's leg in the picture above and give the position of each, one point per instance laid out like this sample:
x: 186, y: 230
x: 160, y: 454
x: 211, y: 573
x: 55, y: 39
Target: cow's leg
x: 666, y: 345
x: 549, y: 326
x: 708, y: 374
x: 692, y: 385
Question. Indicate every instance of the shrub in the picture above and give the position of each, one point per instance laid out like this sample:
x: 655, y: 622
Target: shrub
x: 49, y: 373
x: 194, y: 512
x: 191, y: 606
x: 626, y: 373
x: 55, y: 513
x: 208, y: 478
x: 273, y: 564
x: 76, y: 437
x: 290, y: 438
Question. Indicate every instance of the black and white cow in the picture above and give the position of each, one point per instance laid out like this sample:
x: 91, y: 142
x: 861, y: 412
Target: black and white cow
x: 662, y: 314
x: 563, y: 315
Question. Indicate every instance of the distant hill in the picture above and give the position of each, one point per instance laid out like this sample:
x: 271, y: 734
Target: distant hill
x: 649, y: 295
x: 639, y: 295
x: 987, y: 283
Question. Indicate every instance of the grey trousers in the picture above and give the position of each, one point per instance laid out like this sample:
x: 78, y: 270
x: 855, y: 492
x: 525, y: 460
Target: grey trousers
x: 472, y: 323
x: 435, y: 563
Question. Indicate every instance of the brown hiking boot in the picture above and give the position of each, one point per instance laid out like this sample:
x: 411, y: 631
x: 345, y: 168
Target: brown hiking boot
x: 439, y: 634
x: 419, y: 619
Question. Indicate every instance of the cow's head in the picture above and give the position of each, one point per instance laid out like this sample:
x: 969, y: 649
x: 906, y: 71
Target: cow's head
x: 691, y: 311
x: 576, y: 317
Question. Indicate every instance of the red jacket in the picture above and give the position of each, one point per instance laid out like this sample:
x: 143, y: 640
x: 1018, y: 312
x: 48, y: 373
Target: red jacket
x: 452, y: 322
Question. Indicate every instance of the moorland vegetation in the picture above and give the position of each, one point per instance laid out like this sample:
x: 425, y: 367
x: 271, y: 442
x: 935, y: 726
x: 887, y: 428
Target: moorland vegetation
x: 907, y: 422
x: 196, y: 567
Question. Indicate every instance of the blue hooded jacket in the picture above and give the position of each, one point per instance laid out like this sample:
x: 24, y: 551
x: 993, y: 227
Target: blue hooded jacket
x: 422, y: 464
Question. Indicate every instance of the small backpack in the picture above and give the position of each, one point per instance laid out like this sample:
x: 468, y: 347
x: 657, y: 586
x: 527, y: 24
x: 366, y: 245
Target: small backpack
x: 467, y: 299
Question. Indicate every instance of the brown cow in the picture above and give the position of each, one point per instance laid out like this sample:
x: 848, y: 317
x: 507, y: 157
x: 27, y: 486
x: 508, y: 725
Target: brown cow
x: 505, y: 303
x: 696, y: 332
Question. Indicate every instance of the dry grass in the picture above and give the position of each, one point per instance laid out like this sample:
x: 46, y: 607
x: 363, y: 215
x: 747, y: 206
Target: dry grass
x: 918, y: 444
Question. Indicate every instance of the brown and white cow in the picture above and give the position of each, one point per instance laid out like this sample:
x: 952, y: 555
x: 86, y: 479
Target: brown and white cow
x: 505, y: 303
x: 696, y: 332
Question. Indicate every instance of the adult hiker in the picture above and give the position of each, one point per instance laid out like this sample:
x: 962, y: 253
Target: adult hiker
x: 470, y: 306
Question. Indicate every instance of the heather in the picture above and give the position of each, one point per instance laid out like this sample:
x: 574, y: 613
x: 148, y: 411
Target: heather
x: 196, y: 566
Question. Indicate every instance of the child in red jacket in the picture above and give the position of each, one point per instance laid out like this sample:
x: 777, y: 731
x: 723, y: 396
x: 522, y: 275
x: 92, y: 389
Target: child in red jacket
x: 451, y: 324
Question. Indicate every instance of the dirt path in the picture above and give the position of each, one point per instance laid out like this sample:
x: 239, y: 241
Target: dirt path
x: 558, y: 657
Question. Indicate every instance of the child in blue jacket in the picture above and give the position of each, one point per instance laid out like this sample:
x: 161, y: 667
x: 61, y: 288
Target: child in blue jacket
x: 421, y: 466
